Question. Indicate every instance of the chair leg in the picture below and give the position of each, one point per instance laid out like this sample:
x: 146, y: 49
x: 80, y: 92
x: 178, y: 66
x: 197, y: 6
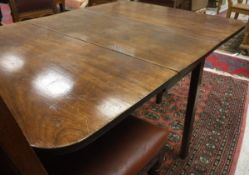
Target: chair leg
x: 236, y: 15
x: 155, y: 170
x: 219, y: 6
x: 229, y: 12
x: 159, y: 96
x: 174, y: 3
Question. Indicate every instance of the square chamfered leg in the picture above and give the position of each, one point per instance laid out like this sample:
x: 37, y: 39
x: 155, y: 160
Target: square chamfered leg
x: 159, y: 96
x: 190, y: 111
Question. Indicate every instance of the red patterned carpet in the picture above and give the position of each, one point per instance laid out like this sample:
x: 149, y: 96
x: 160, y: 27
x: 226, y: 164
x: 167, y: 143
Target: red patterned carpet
x: 217, y: 126
x: 229, y: 64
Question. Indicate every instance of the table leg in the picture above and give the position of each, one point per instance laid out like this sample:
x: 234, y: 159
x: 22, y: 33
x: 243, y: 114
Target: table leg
x: 190, y: 111
x: 159, y: 96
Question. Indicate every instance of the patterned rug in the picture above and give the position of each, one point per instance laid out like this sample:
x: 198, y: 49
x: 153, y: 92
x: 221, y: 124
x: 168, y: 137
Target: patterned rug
x: 230, y: 64
x: 233, y: 45
x: 217, y: 125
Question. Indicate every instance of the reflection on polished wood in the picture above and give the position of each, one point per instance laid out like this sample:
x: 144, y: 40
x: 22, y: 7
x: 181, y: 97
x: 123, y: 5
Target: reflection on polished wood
x: 168, y: 37
x: 68, y: 76
x: 61, y: 90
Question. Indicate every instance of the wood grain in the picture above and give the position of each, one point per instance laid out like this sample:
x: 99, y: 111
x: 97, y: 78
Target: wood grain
x: 21, y: 159
x: 61, y: 90
x: 69, y: 76
x: 171, y: 38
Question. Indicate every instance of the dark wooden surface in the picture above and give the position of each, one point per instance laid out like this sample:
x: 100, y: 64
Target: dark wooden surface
x: 68, y: 76
x: 62, y: 90
x: 19, y: 157
x: 159, y: 35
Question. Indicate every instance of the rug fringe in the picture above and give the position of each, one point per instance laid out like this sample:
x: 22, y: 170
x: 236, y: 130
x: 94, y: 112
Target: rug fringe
x: 225, y: 74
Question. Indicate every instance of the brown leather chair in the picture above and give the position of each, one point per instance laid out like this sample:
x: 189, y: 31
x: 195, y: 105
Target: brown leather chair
x: 28, y: 9
x: 132, y: 147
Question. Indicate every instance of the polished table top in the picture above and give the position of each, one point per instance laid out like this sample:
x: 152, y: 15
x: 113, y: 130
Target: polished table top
x: 68, y: 76
x: 165, y: 36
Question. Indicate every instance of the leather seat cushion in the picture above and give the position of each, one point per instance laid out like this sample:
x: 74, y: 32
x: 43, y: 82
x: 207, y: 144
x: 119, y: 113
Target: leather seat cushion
x: 124, y: 150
